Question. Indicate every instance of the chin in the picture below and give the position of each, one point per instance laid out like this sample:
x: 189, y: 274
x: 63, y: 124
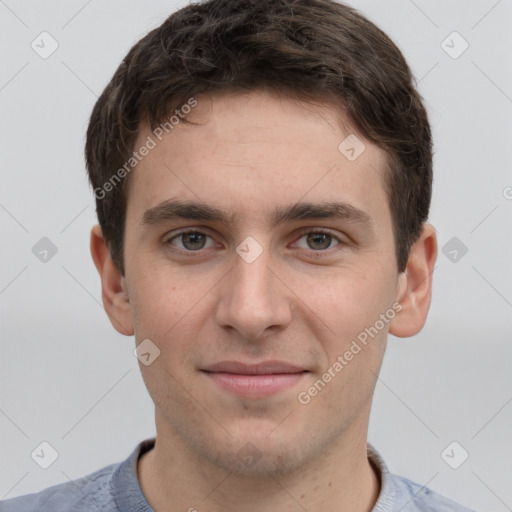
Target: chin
x: 259, y: 450
x: 258, y: 458
x: 252, y: 444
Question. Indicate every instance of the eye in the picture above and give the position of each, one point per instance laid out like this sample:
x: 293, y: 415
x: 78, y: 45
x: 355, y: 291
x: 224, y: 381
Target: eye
x: 191, y: 241
x: 317, y: 241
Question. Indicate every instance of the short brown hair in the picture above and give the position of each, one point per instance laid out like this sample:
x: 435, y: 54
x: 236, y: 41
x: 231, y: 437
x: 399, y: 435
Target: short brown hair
x: 301, y: 48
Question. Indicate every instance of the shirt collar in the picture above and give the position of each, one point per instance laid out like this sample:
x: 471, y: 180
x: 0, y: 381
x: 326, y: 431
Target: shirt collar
x: 125, y: 486
x: 388, y: 495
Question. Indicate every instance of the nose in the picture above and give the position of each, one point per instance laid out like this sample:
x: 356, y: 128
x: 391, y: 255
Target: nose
x: 253, y: 300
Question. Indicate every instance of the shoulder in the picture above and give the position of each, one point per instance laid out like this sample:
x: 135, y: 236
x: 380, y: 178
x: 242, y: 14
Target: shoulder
x: 414, y: 497
x: 88, y: 493
x: 398, y: 493
x: 112, y: 488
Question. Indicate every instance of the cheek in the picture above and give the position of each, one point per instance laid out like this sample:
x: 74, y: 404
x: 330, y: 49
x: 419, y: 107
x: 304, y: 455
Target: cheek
x: 347, y: 304
x: 354, y: 342
x: 158, y: 304
x: 174, y: 312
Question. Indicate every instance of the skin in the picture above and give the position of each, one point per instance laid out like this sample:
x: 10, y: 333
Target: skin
x: 302, y: 301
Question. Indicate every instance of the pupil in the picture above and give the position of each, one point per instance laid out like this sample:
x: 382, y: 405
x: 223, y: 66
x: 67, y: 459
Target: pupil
x: 321, y: 240
x: 193, y: 240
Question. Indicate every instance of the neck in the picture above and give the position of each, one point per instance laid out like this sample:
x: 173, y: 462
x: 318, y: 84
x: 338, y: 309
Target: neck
x: 172, y: 477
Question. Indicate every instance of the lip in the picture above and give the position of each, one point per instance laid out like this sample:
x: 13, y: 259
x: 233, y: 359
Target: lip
x: 254, y: 380
x: 263, y: 368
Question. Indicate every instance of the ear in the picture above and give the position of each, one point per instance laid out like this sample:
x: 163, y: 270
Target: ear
x: 113, y: 285
x: 415, y: 285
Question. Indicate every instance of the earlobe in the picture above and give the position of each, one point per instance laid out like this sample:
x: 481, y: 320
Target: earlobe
x: 115, y: 295
x: 414, y: 290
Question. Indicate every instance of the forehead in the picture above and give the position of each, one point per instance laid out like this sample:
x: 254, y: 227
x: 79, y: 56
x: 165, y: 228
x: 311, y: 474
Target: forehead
x: 251, y: 152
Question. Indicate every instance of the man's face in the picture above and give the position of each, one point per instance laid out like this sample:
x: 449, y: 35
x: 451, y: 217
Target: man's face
x: 285, y: 297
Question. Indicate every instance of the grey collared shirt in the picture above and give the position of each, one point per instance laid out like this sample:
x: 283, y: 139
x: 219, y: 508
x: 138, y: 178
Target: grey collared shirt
x: 115, y: 488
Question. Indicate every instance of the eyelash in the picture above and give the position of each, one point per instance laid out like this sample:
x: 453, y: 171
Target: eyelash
x: 316, y: 253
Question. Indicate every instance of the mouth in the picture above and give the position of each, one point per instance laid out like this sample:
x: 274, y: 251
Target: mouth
x: 254, y: 380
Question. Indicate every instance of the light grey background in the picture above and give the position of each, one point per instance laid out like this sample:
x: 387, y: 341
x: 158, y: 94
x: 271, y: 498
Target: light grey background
x: 68, y: 378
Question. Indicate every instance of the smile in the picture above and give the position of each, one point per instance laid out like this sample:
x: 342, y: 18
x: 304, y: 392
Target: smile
x: 256, y: 381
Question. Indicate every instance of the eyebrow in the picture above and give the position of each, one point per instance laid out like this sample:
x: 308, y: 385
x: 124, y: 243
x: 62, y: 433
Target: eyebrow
x: 176, y: 209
